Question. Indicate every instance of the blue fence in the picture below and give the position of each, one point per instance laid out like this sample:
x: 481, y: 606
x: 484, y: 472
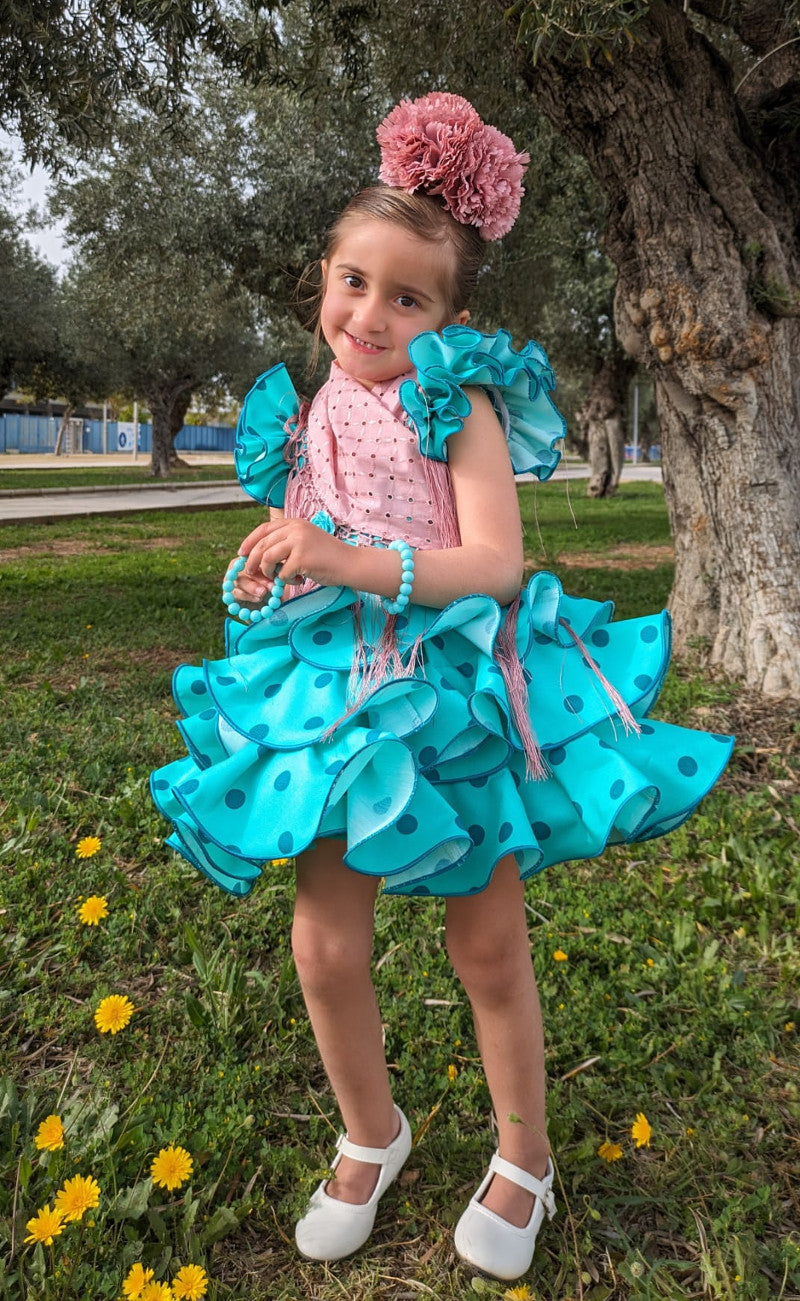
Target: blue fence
x: 19, y: 433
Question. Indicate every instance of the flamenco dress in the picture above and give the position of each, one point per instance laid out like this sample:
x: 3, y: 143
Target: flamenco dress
x: 433, y: 742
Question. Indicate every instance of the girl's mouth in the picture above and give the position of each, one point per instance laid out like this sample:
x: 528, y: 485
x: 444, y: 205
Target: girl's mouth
x: 362, y: 345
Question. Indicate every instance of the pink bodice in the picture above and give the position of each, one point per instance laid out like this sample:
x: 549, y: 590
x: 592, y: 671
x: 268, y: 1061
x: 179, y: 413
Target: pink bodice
x: 360, y: 462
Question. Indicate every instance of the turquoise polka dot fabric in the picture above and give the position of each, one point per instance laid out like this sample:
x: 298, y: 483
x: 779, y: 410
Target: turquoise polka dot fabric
x: 425, y: 778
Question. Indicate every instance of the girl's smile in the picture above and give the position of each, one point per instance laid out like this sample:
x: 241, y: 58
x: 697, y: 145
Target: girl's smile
x: 383, y: 286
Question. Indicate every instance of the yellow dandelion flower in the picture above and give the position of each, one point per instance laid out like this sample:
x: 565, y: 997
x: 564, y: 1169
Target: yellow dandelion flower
x: 78, y: 1195
x: 519, y: 1293
x: 88, y: 846
x: 44, y: 1226
x: 452, y: 1072
x: 609, y: 1151
x: 171, y: 1168
x: 93, y: 910
x: 50, y: 1134
x: 113, y: 1013
x: 559, y: 956
x: 190, y: 1283
x: 156, y: 1292
x: 641, y: 1130
x: 134, y: 1284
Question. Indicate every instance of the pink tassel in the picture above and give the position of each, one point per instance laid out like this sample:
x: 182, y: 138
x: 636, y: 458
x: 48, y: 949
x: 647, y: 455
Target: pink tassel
x: 440, y: 495
x: 627, y: 719
x: 517, y: 690
x: 368, y: 673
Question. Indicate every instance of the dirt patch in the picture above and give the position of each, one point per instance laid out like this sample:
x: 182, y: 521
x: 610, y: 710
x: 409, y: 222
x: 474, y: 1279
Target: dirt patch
x: 81, y: 547
x: 767, y: 750
x: 621, y: 557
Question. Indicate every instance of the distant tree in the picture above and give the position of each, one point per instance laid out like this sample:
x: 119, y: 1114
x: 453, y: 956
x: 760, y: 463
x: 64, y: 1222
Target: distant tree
x: 152, y: 225
x: 29, y: 289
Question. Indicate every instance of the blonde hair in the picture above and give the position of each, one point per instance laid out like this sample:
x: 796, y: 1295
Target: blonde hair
x: 424, y: 216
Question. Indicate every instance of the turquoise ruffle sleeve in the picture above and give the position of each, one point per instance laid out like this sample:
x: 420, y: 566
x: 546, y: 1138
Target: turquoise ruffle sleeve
x: 518, y: 383
x: 269, y: 410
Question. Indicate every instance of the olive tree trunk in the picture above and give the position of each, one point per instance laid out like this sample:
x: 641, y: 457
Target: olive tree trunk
x: 168, y: 407
x: 601, y: 419
x: 702, y: 221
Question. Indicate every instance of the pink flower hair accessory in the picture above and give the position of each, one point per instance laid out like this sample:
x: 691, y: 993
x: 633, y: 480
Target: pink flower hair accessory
x: 439, y: 145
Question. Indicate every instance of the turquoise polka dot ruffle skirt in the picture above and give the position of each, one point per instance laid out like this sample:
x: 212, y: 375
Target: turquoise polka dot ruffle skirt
x: 426, y: 778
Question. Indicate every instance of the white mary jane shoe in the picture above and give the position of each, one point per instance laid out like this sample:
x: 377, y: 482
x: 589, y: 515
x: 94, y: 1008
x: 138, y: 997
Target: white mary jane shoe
x: 331, y: 1229
x: 491, y: 1244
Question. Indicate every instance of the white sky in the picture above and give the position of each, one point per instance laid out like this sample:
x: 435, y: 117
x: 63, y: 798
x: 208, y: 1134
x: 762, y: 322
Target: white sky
x: 33, y: 192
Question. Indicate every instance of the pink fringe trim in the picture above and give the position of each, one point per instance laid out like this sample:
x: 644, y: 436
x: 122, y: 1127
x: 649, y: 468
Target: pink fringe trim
x: 369, y: 672
x: 624, y: 714
x: 517, y: 689
x: 440, y: 495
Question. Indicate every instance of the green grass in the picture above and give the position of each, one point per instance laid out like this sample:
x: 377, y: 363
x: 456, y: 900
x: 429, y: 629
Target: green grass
x: 103, y: 476
x: 678, y: 999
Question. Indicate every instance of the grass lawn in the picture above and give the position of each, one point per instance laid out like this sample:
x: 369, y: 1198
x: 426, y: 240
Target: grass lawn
x: 678, y: 997
x: 104, y: 476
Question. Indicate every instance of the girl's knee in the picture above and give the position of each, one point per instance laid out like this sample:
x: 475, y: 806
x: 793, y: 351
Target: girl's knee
x: 490, y: 962
x: 326, y: 960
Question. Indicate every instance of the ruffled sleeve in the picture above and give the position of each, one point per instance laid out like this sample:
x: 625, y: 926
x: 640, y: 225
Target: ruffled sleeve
x: 265, y: 425
x: 519, y: 385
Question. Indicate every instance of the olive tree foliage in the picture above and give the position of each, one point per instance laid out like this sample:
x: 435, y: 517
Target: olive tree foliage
x: 30, y: 290
x: 688, y: 114
x: 67, y: 67
x: 151, y: 288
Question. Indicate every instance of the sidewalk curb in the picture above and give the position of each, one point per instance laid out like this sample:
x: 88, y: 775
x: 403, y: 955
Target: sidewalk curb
x: 116, y: 487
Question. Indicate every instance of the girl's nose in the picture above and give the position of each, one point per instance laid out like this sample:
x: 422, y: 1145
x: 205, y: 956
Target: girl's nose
x: 370, y: 313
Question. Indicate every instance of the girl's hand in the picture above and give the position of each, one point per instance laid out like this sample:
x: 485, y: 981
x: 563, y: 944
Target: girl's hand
x: 292, y: 549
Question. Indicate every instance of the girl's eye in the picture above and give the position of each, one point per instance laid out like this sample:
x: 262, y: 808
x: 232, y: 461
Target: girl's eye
x: 405, y: 300
x: 353, y: 282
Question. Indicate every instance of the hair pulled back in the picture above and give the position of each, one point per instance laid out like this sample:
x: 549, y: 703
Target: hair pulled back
x: 422, y: 215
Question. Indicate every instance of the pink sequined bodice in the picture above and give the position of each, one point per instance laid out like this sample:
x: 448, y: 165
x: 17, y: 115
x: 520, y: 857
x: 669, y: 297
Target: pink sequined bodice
x: 360, y: 463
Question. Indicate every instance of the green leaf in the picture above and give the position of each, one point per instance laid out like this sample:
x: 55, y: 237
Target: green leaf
x: 131, y: 1203
x: 222, y: 1222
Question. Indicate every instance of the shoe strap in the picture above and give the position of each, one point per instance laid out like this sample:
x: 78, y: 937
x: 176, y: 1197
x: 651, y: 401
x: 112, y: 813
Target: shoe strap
x: 370, y: 1155
x: 541, y: 1188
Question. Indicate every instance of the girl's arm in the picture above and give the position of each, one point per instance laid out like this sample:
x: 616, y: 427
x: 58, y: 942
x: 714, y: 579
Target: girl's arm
x: 489, y: 559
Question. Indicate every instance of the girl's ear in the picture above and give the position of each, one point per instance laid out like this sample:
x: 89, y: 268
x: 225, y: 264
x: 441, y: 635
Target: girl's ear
x: 462, y: 318
x: 323, y: 266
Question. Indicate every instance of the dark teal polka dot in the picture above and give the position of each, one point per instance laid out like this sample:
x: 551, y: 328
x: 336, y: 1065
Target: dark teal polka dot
x: 323, y: 679
x: 643, y: 681
x: 383, y: 806
x: 322, y: 637
x: 427, y: 755
x: 599, y: 637
x: 504, y: 832
x: 189, y: 787
x: 161, y: 785
x: 542, y: 830
x: 432, y: 774
x: 447, y: 685
x: 438, y: 642
x: 286, y: 842
x: 479, y: 781
x: 687, y: 765
x: 226, y: 680
x: 647, y: 730
x: 421, y: 889
x: 574, y: 704
x: 282, y: 780
x: 259, y: 731
x: 476, y: 834
x: 333, y: 768
x: 466, y: 670
x: 719, y: 736
x: 272, y: 690
x: 235, y: 798
x: 401, y: 622
x: 557, y: 756
x: 311, y: 723
x: 616, y: 788
x: 649, y: 633
x: 207, y: 714
x: 407, y: 825
x: 199, y: 688
x: 541, y: 639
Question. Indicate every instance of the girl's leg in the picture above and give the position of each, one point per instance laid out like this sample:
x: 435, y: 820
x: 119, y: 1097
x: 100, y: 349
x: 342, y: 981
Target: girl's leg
x: 332, y: 939
x: 487, y: 940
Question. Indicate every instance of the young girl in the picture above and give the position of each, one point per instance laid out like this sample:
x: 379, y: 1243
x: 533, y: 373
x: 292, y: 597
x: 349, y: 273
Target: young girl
x: 398, y: 710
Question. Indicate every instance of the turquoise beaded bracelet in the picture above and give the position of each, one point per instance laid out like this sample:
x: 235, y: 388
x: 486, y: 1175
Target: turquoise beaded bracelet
x: 406, y: 578
x: 242, y: 612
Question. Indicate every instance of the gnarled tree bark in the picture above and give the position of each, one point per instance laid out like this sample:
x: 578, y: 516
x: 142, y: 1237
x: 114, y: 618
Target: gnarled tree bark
x: 602, y: 422
x: 168, y: 407
x: 702, y: 225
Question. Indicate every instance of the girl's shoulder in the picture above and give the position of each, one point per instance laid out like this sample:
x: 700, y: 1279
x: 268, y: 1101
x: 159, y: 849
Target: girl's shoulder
x: 518, y: 383
x: 267, y: 422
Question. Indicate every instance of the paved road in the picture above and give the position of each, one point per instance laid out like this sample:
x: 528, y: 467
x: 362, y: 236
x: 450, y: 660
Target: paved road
x: 48, y: 505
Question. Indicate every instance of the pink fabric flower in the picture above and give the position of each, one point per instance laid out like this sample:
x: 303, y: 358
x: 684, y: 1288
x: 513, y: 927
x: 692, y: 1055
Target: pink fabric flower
x: 439, y: 145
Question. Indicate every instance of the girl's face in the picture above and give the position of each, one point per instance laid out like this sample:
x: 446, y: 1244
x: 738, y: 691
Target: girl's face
x: 383, y: 286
